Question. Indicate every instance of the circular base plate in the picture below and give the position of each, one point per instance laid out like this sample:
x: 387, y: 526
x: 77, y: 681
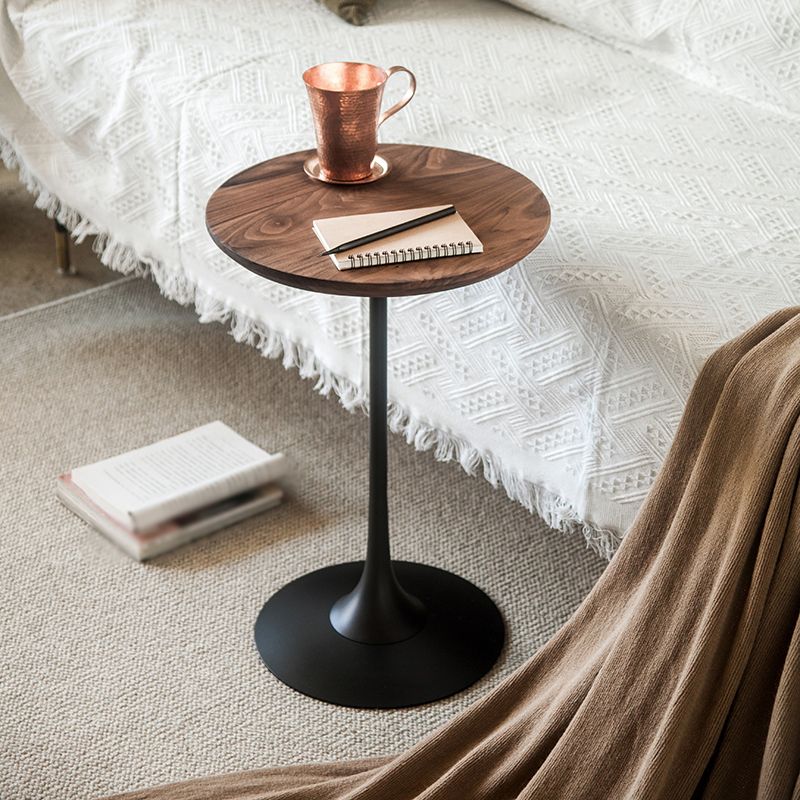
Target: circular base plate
x: 380, y: 169
x: 461, y: 639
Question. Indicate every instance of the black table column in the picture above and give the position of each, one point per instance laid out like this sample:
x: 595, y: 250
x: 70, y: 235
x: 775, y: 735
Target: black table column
x: 379, y: 633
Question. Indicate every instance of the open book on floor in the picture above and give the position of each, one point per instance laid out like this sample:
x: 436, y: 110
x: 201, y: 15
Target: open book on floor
x: 155, y: 498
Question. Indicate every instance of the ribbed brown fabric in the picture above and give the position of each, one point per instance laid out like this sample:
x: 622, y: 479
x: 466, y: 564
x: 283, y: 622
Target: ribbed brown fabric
x: 679, y: 675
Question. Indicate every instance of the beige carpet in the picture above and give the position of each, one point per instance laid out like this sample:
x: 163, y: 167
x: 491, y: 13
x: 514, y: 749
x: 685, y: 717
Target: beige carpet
x: 115, y: 675
x: 28, y: 257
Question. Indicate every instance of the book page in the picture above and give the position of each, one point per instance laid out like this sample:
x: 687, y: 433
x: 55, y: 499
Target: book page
x: 153, y: 484
x: 168, y: 535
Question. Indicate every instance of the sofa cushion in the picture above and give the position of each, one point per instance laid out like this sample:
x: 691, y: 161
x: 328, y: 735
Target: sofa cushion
x: 620, y: 21
x: 740, y: 47
x: 746, y: 48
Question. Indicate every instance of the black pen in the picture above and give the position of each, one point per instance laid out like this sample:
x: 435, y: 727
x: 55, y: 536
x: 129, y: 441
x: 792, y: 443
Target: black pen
x: 403, y: 226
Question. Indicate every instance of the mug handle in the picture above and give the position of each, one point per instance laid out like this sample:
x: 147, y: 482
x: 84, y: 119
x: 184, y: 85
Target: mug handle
x: 412, y: 87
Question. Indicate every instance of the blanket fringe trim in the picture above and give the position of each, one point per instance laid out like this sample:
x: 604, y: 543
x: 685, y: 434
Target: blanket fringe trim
x: 177, y: 286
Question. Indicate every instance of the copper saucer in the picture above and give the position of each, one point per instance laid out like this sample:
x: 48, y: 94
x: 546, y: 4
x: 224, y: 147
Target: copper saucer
x: 380, y: 169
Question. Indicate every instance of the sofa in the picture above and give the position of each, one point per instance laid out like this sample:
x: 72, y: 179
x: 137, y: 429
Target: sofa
x: 665, y: 136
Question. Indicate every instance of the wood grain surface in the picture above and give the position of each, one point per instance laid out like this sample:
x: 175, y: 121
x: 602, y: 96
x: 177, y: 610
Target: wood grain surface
x: 262, y: 218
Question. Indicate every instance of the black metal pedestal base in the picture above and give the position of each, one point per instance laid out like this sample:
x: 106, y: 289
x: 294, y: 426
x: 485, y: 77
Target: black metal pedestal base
x: 459, y: 641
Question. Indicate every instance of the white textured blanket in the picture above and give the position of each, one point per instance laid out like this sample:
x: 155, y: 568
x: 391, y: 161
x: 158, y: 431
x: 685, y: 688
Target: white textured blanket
x: 675, y: 215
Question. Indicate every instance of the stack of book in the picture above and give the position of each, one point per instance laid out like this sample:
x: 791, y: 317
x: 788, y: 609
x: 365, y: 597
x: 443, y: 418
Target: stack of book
x: 153, y: 499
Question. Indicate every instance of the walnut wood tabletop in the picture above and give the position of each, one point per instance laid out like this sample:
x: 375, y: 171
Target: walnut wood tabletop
x: 262, y: 218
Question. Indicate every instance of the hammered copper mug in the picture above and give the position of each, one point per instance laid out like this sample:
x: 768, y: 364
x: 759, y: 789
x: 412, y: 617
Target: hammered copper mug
x: 345, y: 101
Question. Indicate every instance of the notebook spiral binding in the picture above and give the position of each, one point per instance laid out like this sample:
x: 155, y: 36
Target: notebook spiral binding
x: 383, y: 257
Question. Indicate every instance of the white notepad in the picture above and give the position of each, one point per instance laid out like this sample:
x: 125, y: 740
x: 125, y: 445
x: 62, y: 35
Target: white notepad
x: 449, y: 236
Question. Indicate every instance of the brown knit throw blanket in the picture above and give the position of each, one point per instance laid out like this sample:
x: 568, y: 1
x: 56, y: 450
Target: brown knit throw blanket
x: 679, y: 675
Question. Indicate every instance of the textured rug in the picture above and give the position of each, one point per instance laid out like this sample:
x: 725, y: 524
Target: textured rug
x: 678, y: 677
x: 116, y: 675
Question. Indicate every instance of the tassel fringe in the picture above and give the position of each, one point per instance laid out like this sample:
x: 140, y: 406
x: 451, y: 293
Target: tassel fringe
x: 176, y: 285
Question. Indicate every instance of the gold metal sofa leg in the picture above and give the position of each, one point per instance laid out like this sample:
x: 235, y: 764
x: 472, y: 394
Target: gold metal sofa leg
x: 62, y: 250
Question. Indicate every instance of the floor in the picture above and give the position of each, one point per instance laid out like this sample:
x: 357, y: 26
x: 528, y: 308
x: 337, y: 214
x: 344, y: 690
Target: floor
x: 28, y: 256
x: 116, y: 675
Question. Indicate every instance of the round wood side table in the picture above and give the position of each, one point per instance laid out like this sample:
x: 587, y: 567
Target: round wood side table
x: 378, y: 633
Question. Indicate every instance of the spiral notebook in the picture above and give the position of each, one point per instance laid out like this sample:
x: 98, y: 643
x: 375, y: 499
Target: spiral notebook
x: 449, y: 236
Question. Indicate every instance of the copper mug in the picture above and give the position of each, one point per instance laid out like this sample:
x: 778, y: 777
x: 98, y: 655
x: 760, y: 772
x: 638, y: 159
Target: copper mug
x: 345, y: 101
